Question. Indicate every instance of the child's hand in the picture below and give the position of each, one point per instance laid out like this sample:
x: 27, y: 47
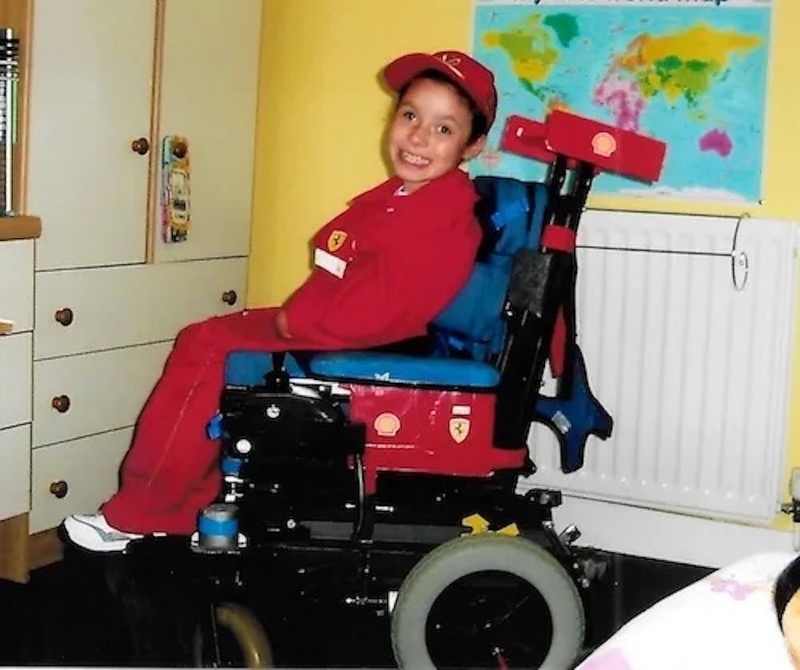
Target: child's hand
x: 282, y: 325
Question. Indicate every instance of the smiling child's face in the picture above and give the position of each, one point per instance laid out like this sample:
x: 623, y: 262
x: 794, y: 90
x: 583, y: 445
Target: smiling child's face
x: 430, y: 132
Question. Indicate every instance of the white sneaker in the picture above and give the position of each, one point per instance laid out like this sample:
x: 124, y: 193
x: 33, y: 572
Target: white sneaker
x: 93, y: 532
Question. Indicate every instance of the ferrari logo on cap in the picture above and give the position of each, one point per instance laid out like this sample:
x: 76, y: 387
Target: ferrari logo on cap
x: 336, y: 240
x: 453, y: 62
x: 459, y: 429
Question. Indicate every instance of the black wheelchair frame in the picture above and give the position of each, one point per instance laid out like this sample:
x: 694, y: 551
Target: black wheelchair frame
x: 302, y: 511
x: 296, y: 516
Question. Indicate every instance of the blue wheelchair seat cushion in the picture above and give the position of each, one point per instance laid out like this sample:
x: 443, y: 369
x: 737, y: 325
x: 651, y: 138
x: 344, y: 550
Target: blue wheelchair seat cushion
x: 404, y: 370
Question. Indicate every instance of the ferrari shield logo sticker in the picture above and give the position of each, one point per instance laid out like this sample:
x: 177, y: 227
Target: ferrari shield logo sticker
x: 336, y: 240
x: 459, y: 429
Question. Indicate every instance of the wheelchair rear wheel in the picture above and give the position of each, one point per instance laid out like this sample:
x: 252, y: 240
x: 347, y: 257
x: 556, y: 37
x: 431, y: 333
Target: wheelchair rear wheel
x: 236, y: 639
x: 491, y: 601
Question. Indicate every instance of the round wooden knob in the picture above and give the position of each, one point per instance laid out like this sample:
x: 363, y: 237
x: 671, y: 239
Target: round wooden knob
x: 140, y: 145
x: 64, y: 316
x: 230, y: 297
x: 180, y: 149
x: 61, y: 403
x: 59, y: 489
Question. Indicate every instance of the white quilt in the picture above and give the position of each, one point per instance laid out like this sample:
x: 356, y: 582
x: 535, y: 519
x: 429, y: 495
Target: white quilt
x: 725, y: 621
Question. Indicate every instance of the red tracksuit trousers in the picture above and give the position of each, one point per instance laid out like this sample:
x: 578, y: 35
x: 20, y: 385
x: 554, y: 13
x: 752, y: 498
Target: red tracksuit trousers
x: 171, y: 471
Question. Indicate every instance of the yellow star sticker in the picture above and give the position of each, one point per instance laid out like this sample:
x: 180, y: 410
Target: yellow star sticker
x: 512, y: 530
x: 476, y: 524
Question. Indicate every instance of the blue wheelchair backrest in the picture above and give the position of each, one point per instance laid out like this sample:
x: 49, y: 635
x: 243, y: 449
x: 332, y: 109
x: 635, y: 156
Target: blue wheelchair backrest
x: 511, y: 213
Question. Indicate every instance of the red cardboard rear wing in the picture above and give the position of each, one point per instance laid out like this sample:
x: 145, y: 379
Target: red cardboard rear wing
x: 609, y: 148
x: 579, y: 139
x: 525, y: 137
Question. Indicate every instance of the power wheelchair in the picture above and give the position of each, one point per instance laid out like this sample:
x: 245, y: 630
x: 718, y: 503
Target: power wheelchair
x: 387, y: 483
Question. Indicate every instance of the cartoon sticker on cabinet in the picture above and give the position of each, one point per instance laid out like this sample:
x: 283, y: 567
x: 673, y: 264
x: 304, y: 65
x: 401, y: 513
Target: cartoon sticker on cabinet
x: 175, y: 189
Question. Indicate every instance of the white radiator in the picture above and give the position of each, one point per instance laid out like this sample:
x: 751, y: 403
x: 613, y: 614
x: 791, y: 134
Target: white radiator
x: 686, y: 324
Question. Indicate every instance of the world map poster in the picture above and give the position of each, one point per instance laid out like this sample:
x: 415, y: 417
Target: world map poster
x: 692, y: 73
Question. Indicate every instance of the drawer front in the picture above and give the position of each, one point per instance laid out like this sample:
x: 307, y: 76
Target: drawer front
x: 16, y: 283
x: 84, y: 471
x: 82, y: 395
x: 15, y: 475
x: 15, y: 373
x: 130, y: 305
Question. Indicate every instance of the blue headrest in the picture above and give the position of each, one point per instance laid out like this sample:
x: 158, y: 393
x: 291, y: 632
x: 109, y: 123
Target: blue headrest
x: 512, y: 214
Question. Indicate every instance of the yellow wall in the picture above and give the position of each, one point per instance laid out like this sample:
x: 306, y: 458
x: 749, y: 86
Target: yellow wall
x: 322, y: 113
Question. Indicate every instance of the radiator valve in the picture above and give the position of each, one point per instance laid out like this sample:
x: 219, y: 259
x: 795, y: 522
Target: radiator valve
x: 793, y: 507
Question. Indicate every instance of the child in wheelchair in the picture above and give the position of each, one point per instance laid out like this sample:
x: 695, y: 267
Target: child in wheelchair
x: 383, y: 270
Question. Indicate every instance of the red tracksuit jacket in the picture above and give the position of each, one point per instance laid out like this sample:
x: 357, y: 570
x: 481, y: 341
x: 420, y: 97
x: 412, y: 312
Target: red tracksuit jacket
x: 387, y: 266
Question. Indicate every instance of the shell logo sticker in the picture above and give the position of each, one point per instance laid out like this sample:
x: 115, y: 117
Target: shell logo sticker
x: 459, y: 429
x: 336, y: 240
x: 604, y: 144
x: 386, y: 424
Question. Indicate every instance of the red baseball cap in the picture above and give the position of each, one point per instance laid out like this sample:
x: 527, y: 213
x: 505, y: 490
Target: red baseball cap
x: 476, y: 80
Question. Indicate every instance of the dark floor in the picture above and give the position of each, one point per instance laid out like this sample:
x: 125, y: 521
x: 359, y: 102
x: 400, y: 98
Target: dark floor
x: 90, y: 612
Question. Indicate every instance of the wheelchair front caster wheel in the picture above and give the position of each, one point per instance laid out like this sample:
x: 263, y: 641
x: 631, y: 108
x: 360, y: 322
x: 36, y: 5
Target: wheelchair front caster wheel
x: 234, y: 639
x: 487, y: 601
